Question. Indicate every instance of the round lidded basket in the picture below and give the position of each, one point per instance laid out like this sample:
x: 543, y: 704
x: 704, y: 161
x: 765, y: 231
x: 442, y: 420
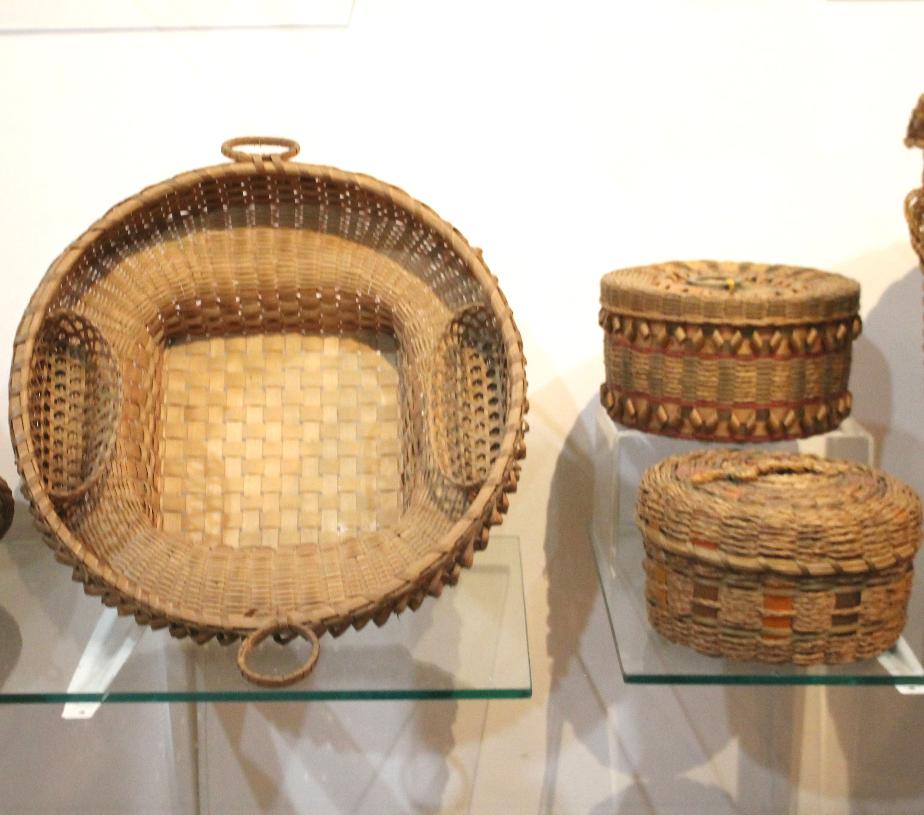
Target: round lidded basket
x: 777, y: 557
x: 724, y: 351
x: 268, y: 398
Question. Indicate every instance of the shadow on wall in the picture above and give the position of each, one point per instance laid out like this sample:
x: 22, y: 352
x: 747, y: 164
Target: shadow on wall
x: 880, y: 732
x: 10, y: 644
x: 290, y: 755
x: 873, y: 402
x: 25, y: 546
x: 660, y: 742
x: 881, y: 736
x: 578, y: 697
x: 887, y: 376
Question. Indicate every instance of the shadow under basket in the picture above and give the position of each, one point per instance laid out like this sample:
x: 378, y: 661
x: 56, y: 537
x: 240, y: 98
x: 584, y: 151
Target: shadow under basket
x: 268, y: 398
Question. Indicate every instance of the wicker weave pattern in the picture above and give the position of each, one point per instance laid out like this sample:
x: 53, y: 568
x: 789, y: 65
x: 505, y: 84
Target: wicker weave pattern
x: 759, y: 619
x: 466, y: 374
x: 280, y: 439
x: 778, y: 558
x: 301, y: 353
x: 73, y: 437
x: 717, y: 351
x: 740, y: 294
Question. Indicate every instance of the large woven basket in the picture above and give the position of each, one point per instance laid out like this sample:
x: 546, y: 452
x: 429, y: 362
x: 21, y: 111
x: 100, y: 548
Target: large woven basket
x: 268, y: 398
x: 777, y: 557
x: 728, y: 351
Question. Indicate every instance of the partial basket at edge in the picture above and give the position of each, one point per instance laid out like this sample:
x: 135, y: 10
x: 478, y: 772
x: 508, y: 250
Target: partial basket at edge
x: 7, y: 507
x: 267, y: 397
x: 777, y: 557
x: 914, y: 201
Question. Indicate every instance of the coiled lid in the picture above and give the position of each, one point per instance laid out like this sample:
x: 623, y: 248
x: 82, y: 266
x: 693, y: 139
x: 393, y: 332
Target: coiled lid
x: 788, y: 513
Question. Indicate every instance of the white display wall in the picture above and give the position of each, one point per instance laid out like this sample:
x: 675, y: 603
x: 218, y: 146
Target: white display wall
x: 565, y: 139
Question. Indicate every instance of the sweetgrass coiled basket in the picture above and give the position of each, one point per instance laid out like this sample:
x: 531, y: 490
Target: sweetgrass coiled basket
x: 268, y: 398
x: 743, y: 352
x: 776, y: 557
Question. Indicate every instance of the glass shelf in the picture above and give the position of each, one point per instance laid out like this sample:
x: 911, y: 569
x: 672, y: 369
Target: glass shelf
x: 58, y: 645
x: 645, y: 657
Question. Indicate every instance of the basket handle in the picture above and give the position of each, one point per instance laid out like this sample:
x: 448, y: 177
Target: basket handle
x: 284, y: 632
x: 288, y: 148
x: 753, y: 472
x: 715, y: 281
x: 67, y: 335
x: 467, y: 476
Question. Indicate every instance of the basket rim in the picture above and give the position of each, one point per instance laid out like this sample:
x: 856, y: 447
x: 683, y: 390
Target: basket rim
x: 442, y: 552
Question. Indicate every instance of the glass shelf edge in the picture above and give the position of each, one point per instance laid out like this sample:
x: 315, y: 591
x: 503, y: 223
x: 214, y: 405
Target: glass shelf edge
x: 792, y: 682
x: 268, y: 696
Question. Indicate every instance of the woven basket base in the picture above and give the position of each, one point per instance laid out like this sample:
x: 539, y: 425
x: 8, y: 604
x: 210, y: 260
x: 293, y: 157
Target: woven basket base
x: 276, y: 440
x: 768, y: 618
x: 724, y: 422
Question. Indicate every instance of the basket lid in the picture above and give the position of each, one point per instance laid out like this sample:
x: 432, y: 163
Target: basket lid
x: 792, y: 514
x: 730, y: 293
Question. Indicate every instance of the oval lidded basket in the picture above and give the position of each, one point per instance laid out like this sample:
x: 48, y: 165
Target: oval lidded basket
x: 268, y: 398
x: 740, y: 352
x: 775, y: 557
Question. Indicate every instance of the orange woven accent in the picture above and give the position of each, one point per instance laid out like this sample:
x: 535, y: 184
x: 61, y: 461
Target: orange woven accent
x: 777, y: 603
x: 701, y: 544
